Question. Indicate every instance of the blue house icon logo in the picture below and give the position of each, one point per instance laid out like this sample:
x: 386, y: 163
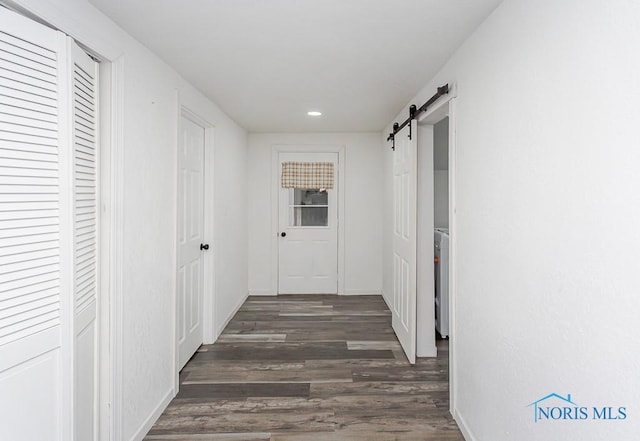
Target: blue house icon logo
x: 564, y: 407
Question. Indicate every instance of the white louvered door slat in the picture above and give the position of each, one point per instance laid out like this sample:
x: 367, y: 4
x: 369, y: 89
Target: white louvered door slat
x: 85, y: 176
x: 32, y: 283
x: 22, y: 200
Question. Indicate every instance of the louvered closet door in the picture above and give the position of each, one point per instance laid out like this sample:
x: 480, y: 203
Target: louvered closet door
x: 85, y: 213
x: 32, y: 282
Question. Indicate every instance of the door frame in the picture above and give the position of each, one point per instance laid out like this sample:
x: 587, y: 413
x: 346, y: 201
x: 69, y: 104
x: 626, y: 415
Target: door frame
x: 208, y: 285
x: 447, y: 107
x: 111, y: 246
x: 275, y: 188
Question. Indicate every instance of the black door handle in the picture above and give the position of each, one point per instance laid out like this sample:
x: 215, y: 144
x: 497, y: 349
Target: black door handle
x: 283, y: 234
x: 204, y: 246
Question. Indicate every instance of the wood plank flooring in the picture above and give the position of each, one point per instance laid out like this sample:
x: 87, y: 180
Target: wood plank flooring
x: 310, y: 368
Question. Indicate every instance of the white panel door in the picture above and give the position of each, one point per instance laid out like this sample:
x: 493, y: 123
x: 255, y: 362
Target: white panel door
x: 84, y: 78
x: 404, y: 239
x: 308, y: 233
x: 34, y: 286
x: 190, y: 239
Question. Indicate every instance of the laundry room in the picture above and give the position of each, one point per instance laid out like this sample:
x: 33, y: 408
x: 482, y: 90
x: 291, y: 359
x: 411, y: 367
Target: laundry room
x: 441, y: 225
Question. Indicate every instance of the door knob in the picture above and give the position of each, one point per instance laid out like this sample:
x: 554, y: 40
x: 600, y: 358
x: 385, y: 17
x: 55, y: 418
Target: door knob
x: 204, y: 246
x: 283, y: 234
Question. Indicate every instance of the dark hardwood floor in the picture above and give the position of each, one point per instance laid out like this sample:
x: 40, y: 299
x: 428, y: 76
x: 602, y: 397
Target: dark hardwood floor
x: 310, y: 368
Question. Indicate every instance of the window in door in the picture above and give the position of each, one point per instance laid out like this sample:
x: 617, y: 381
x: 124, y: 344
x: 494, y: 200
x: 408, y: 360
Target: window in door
x: 308, y: 207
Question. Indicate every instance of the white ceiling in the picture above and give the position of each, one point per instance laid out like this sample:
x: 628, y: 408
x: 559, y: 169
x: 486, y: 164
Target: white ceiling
x: 267, y: 62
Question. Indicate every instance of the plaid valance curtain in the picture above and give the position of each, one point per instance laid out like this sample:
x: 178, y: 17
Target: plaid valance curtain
x: 307, y: 175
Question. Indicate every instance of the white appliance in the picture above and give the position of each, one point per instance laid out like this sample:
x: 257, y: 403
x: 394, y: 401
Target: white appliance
x: 441, y: 253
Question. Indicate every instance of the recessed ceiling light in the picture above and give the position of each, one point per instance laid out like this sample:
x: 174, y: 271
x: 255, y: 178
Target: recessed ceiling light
x: 314, y: 113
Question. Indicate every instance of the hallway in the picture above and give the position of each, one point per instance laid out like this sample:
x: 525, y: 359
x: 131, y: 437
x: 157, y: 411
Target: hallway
x: 312, y: 367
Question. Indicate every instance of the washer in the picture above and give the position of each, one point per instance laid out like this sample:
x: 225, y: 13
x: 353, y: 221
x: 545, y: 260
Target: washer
x: 441, y: 253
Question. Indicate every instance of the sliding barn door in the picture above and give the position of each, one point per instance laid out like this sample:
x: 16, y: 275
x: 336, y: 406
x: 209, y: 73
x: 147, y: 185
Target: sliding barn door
x: 33, y: 282
x: 405, y: 183
x: 83, y: 76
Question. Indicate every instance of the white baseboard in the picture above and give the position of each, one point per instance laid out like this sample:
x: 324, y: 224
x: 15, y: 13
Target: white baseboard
x: 262, y: 292
x: 431, y: 351
x: 230, y: 316
x: 148, y: 423
x: 362, y: 292
x: 347, y: 292
x: 386, y: 300
x: 462, y: 425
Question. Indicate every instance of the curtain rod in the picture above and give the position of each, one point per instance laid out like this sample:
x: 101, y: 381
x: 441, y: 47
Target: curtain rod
x: 414, y: 112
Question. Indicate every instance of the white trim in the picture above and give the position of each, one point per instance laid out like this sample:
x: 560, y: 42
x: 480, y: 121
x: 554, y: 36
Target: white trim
x: 463, y: 426
x: 101, y: 240
x: 273, y: 203
x: 307, y: 148
x: 362, y: 292
x: 428, y: 352
x: 453, y: 239
x: 175, y: 358
x: 67, y: 276
x: 387, y: 301
x: 210, y: 299
x: 114, y: 246
x: 104, y: 218
x: 229, y: 317
x: 151, y: 419
x: 438, y: 111
x: 262, y: 292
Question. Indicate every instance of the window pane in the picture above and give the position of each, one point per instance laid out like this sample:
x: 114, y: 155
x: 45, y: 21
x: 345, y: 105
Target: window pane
x: 306, y: 196
x: 309, y: 217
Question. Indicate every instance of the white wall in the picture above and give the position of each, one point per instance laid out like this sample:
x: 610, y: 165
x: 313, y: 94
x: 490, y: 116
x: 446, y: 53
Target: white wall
x: 363, y: 186
x: 441, y: 145
x: 441, y: 198
x: 548, y: 210
x: 440, y: 174
x: 149, y: 207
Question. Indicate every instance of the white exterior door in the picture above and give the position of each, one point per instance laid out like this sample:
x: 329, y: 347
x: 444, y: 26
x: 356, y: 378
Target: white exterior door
x: 404, y: 239
x: 191, y: 242
x: 308, y: 233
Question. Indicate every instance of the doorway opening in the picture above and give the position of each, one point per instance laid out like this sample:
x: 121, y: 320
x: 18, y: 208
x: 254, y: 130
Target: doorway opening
x: 441, y: 225
x: 436, y: 234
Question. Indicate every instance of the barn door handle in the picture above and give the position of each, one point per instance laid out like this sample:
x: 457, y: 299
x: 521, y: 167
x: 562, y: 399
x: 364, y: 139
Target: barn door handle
x: 283, y: 234
x: 204, y: 246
